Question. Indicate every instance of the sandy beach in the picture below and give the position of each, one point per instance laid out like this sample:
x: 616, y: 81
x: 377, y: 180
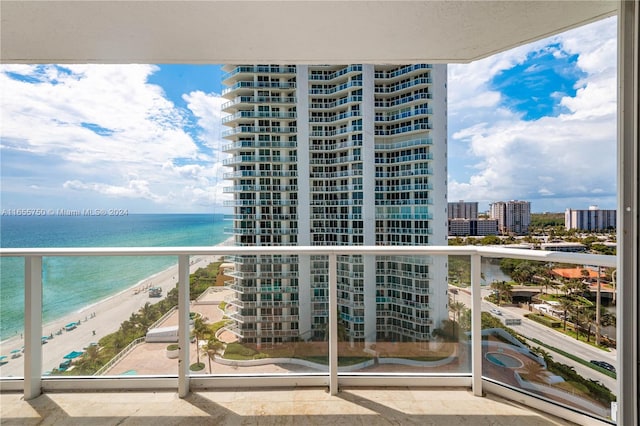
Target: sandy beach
x: 95, y: 321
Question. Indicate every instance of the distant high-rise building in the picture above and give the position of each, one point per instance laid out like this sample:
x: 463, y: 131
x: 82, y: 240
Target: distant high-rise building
x: 472, y: 227
x: 463, y: 220
x: 337, y: 155
x: 463, y: 210
x: 513, y: 216
x: 592, y: 219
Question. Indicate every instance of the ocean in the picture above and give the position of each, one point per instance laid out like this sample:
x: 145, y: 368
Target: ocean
x: 72, y: 283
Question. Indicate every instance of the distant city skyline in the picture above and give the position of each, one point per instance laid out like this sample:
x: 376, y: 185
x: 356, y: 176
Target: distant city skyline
x: 535, y: 123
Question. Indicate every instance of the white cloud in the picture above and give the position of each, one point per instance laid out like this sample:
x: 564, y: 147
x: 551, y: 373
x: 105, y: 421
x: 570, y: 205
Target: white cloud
x: 104, y: 131
x: 554, y: 161
x: 207, y: 108
x: 135, y: 188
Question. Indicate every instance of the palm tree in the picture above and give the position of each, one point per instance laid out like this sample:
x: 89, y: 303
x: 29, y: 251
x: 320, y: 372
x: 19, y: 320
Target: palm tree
x: 464, y: 319
x: 89, y: 362
x: 588, y: 315
x: 146, y: 315
x: 585, y: 274
x: 605, y: 319
x: 342, y: 331
x: 456, y: 308
x: 502, y: 288
x: 534, y: 372
x: 543, y: 353
x: 547, y: 279
x: 578, y: 316
x: 212, y: 347
x: 523, y: 273
x: 566, y: 304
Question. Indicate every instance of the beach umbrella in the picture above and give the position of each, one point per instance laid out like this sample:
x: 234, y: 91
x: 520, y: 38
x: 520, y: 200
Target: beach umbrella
x: 15, y: 351
x: 3, y: 357
x: 72, y: 355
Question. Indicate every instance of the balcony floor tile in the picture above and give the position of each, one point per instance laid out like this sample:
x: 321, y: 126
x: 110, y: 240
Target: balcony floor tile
x: 299, y: 406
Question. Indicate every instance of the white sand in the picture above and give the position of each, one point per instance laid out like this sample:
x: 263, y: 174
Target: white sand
x: 102, y: 318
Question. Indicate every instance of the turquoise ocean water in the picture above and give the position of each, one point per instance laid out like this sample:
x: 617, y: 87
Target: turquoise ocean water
x: 72, y: 283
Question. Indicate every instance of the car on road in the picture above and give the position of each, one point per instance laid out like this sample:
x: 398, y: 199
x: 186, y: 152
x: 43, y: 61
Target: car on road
x: 604, y: 364
x: 495, y: 311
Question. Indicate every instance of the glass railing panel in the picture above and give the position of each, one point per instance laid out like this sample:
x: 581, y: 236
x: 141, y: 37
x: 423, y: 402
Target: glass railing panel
x: 12, y: 317
x: 99, y: 313
x: 539, y: 331
x: 275, y: 319
x: 111, y: 316
x: 395, y: 317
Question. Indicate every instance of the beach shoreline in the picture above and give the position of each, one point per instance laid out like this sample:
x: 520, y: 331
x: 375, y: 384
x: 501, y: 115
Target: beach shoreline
x: 95, y: 320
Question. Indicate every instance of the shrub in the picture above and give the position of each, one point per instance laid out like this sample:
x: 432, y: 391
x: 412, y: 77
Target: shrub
x: 545, y: 320
x: 197, y: 366
x: 596, y: 389
x: 260, y: 355
x: 173, y: 347
x: 238, y: 349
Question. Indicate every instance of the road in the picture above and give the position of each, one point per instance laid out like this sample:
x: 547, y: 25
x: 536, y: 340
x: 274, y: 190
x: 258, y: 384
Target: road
x: 532, y: 329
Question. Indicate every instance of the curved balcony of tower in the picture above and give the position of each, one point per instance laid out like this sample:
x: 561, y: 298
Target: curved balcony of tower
x: 408, y: 99
x: 247, y: 115
x: 419, y: 111
x: 335, y: 118
x: 247, y: 130
x: 246, y: 87
x: 333, y: 90
x: 329, y: 105
x: 240, y: 72
x: 331, y: 74
x: 391, y: 73
x: 417, y: 82
x: 246, y: 102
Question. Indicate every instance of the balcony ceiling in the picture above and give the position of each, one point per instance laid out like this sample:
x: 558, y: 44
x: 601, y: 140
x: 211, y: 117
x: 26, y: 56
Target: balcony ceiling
x: 205, y: 31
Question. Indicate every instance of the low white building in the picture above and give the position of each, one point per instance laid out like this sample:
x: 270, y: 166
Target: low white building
x: 565, y: 247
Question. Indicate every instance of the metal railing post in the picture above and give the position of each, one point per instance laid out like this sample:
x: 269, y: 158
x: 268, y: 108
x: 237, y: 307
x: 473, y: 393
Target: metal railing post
x: 333, y: 324
x: 476, y: 325
x: 183, y: 325
x: 32, y: 327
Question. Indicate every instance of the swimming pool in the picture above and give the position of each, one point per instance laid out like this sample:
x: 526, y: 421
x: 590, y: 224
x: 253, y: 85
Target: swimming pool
x: 504, y: 360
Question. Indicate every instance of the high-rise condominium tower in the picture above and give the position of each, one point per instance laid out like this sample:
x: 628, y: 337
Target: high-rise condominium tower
x: 337, y: 155
x: 463, y: 210
x: 513, y: 216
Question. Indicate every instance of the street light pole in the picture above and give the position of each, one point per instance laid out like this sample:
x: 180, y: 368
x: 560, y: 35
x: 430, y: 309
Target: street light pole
x: 613, y: 281
x: 598, y: 311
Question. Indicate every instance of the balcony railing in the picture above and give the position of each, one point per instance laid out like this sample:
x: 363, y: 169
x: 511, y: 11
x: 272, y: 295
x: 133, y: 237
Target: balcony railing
x: 402, y: 71
x: 330, y: 75
x: 259, y: 85
x: 33, y: 382
x: 260, y: 69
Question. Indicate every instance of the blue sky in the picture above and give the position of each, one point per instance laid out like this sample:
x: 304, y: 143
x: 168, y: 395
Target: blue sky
x: 536, y: 86
x: 535, y: 123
